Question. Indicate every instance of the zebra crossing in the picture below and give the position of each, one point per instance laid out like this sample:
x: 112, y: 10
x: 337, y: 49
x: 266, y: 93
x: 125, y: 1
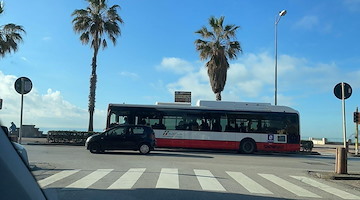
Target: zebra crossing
x: 171, y: 178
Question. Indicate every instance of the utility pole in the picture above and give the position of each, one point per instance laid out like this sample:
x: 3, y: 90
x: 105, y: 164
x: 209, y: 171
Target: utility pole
x: 356, y: 131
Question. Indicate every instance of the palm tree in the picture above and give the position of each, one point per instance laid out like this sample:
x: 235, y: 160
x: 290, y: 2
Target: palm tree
x: 218, y: 48
x: 92, y: 23
x: 10, y: 36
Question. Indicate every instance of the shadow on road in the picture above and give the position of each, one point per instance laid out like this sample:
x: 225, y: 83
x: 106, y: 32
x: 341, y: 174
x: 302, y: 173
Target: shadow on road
x: 156, y: 153
x: 146, y: 194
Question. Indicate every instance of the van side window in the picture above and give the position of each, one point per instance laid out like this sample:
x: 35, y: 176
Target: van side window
x: 138, y: 131
x: 118, y: 131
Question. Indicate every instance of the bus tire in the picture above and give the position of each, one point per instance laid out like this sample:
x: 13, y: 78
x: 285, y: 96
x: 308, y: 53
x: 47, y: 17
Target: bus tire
x: 247, y: 146
x: 144, y: 149
x: 95, y: 148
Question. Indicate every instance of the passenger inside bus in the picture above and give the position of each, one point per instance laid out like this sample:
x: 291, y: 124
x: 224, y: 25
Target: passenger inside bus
x: 242, y: 127
x: 159, y: 125
x: 216, y: 126
x: 142, y: 121
x: 182, y: 125
x: 232, y: 126
x: 204, y: 126
x: 125, y: 120
x: 194, y: 125
x: 249, y: 124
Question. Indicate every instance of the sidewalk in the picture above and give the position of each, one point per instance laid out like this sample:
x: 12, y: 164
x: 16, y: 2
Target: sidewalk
x: 26, y: 140
x: 331, y: 149
x: 351, y: 180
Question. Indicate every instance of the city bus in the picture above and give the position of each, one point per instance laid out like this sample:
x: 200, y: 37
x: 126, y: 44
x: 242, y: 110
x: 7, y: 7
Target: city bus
x: 244, y: 127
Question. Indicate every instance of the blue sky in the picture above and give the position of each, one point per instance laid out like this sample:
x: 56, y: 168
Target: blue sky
x: 318, y: 47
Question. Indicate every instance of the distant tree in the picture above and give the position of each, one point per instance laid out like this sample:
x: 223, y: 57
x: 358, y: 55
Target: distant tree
x: 10, y: 36
x: 92, y: 23
x: 217, y: 45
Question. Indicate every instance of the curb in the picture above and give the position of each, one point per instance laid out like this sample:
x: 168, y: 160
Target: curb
x: 334, y: 176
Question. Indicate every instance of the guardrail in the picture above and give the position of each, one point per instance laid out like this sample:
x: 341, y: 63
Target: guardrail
x: 66, y: 137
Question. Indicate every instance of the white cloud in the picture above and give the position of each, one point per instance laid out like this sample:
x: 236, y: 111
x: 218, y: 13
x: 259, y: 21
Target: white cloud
x: 251, y: 78
x: 47, y: 38
x: 48, y: 110
x: 196, y: 82
x: 176, y: 65
x: 352, y: 5
x: 130, y: 74
x: 307, y: 22
x: 311, y: 22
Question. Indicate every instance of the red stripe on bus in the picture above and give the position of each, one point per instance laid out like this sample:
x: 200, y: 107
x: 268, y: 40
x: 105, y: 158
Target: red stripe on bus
x: 226, y: 145
x: 277, y: 147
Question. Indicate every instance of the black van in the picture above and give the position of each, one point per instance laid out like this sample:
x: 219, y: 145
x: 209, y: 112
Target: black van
x: 123, y: 137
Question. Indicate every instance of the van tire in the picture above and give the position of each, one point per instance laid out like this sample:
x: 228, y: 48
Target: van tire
x: 247, y: 146
x: 95, y: 148
x: 144, y: 149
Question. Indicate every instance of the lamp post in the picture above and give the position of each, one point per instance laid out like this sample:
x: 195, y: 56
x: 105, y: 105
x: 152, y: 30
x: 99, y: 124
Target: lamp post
x: 277, y: 19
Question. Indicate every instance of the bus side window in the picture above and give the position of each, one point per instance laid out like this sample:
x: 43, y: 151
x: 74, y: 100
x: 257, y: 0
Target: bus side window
x: 123, y: 120
x: 204, y: 126
x: 216, y: 126
x: 182, y: 125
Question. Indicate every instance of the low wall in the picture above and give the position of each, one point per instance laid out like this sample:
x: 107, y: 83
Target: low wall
x: 75, y: 137
x: 321, y: 141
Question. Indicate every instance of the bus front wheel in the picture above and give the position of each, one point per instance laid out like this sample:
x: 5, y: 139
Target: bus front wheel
x: 247, y: 146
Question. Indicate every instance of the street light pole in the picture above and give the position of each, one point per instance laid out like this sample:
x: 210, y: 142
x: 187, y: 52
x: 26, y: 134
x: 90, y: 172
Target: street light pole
x: 277, y: 19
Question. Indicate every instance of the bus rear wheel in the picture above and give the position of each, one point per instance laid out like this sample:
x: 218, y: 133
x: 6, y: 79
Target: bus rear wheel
x: 247, y: 146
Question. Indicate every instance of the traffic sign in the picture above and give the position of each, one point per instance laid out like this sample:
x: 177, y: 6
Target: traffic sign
x: 23, y: 85
x: 338, y: 90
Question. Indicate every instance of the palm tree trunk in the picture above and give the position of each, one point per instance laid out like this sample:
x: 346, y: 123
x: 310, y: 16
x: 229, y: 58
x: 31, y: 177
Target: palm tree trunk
x: 218, y: 96
x: 93, y: 80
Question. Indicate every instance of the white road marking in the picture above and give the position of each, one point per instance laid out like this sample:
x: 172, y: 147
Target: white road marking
x: 208, y: 181
x: 299, y: 191
x: 90, y: 179
x: 326, y: 188
x: 169, y: 178
x: 248, y: 183
x: 58, y: 176
x: 128, y: 180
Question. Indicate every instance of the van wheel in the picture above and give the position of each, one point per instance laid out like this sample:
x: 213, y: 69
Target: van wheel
x: 247, y: 146
x: 144, y: 148
x: 95, y: 148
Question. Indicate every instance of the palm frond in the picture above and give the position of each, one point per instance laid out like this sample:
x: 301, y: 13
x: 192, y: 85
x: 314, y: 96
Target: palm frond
x: 218, y: 49
x: 97, y: 19
x: 1, y: 7
x: 104, y: 44
x: 85, y: 37
x: 10, y: 36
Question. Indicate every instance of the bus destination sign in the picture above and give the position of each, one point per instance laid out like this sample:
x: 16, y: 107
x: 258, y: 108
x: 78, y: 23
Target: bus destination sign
x: 182, y: 96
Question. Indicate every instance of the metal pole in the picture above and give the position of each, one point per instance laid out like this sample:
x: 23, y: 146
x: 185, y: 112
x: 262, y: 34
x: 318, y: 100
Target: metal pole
x: 356, y: 135
x: 21, y: 112
x: 276, y: 23
x: 343, y: 112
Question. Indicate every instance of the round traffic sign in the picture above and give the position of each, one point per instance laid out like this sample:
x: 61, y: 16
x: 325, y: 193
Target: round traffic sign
x: 23, y: 85
x: 338, y: 90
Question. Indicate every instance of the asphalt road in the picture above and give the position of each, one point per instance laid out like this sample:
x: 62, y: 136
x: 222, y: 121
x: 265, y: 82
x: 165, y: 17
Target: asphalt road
x: 71, y: 172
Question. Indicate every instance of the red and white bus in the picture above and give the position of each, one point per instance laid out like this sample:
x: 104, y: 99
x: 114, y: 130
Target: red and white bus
x: 246, y: 127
